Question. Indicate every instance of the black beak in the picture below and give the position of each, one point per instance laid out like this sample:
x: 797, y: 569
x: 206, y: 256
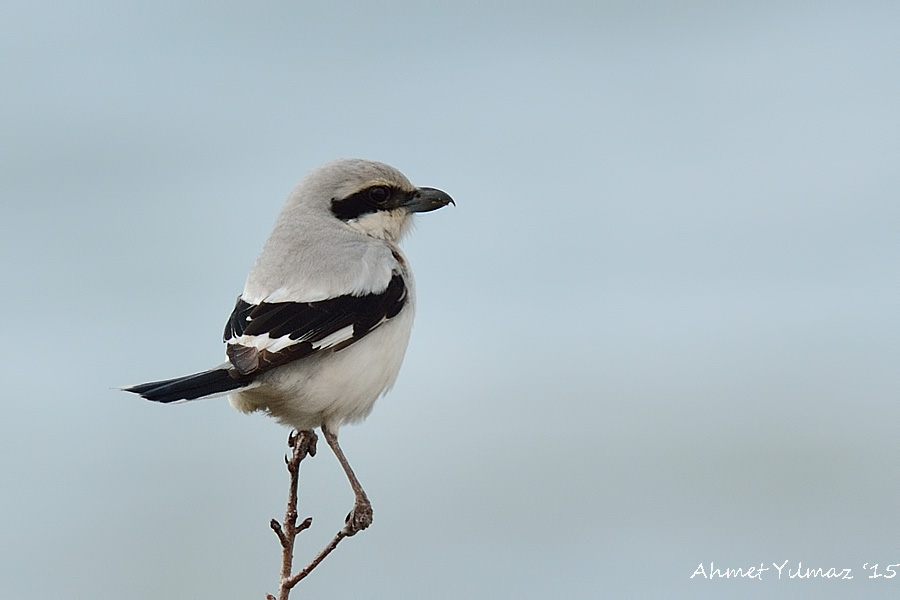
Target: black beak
x: 426, y: 199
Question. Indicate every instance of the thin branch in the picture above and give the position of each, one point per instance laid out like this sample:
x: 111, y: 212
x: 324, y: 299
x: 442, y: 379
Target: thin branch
x: 302, y: 444
x: 319, y: 558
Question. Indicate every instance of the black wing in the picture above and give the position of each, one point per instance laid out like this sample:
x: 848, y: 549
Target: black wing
x: 266, y: 335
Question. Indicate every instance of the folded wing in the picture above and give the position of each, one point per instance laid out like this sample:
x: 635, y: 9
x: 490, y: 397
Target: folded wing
x: 269, y: 334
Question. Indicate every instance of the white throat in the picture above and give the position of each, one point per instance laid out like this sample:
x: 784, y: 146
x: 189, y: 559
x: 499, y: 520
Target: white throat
x: 383, y: 225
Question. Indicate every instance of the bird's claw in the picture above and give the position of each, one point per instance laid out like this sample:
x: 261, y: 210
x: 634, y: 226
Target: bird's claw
x: 358, y: 519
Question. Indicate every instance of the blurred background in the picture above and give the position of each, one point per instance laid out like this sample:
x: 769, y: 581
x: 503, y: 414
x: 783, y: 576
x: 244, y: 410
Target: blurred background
x: 659, y: 329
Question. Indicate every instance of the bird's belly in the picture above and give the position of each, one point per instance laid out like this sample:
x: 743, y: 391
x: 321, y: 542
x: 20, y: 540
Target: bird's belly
x: 332, y: 388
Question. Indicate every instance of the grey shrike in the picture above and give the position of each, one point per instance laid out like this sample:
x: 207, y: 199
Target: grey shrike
x: 322, y: 325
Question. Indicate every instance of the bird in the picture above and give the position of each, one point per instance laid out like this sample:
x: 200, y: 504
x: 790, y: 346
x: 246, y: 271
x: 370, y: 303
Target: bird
x: 322, y: 325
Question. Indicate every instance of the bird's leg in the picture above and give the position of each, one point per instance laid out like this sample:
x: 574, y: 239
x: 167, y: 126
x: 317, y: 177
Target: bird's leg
x: 361, y: 515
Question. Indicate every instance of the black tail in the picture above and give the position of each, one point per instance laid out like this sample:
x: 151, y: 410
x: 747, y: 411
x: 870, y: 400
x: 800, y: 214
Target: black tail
x: 190, y: 387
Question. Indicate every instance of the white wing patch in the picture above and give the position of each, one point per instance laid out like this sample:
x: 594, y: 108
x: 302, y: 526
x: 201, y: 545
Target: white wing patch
x: 338, y: 337
x: 264, y: 342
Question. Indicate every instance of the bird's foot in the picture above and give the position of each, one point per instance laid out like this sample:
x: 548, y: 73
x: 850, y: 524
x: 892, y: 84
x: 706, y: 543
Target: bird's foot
x: 359, y: 518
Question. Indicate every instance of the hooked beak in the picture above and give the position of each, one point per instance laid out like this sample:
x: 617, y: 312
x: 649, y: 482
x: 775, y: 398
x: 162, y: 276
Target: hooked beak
x: 426, y: 199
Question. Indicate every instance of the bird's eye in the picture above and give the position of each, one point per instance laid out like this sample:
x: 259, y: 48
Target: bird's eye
x: 379, y: 194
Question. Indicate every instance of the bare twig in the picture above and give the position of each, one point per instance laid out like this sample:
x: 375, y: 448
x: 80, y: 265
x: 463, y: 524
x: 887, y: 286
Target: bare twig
x: 319, y: 558
x: 302, y: 444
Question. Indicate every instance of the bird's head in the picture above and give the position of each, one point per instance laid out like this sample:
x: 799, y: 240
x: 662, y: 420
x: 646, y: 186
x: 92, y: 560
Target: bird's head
x: 371, y: 197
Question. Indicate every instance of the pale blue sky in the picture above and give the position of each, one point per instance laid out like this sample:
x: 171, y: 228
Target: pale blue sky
x: 659, y: 328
